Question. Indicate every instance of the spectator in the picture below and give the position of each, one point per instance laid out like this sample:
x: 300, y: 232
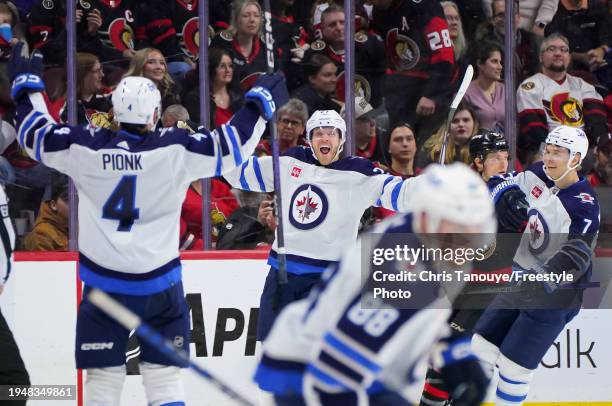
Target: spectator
x: 50, y: 232
x: 586, y: 25
x: 320, y: 88
x: 249, y: 226
x: 462, y: 127
x: 455, y: 29
x: 534, y: 14
x: 288, y: 35
x: 369, y: 55
x: 9, y: 20
x: 366, y: 140
x: 552, y: 98
x: 486, y: 93
x: 402, y: 150
x: 602, y: 173
x: 290, y: 124
x: 173, y: 114
x: 93, y: 107
x: 151, y: 64
x: 526, y: 42
x: 226, y: 97
x: 243, y: 42
x: 420, y: 62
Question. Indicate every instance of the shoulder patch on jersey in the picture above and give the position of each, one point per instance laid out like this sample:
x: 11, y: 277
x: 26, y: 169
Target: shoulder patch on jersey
x: 226, y: 35
x: 85, y: 4
x: 318, y: 45
x: 527, y: 85
x: 536, y: 192
x: 296, y: 171
x: 48, y: 4
x: 585, y: 198
x: 361, y: 37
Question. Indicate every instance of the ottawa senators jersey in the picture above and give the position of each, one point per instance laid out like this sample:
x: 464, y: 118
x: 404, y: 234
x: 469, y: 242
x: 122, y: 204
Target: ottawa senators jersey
x: 416, y: 37
x: 544, y: 104
x: 117, y: 30
x: 45, y: 31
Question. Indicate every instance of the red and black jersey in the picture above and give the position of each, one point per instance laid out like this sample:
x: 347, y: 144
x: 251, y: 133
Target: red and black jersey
x: 417, y: 41
x: 369, y: 66
x: 244, y: 67
x: 46, y: 31
x: 172, y: 27
x: 118, y: 21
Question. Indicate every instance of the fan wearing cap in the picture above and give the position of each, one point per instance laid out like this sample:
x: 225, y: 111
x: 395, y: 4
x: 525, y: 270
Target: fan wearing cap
x: 561, y: 232
x: 324, y: 197
x: 366, y: 140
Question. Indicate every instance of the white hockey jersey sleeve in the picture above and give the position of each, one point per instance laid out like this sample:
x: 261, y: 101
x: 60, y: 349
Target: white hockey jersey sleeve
x: 254, y: 175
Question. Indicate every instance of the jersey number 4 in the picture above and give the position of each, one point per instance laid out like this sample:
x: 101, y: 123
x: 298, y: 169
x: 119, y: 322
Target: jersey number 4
x: 120, y: 204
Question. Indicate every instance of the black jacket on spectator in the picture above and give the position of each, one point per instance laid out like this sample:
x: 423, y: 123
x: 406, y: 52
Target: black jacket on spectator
x: 94, y: 112
x: 243, y: 231
x: 314, y: 101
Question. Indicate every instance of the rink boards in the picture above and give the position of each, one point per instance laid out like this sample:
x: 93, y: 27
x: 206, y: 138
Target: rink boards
x: 222, y: 288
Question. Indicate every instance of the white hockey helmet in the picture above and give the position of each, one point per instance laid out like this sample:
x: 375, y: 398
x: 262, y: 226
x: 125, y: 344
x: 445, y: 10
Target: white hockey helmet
x: 136, y: 100
x: 326, y: 118
x: 456, y: 193
x: 571, y: 138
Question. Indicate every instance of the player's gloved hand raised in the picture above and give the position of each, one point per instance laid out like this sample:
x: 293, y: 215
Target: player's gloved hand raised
x: 466, y: 381
x: 511, y: 209
x: 269, y: 94
x: 25, y: 72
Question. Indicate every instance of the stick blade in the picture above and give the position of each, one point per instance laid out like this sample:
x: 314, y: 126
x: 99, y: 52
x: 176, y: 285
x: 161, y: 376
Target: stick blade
x: 465, y: 83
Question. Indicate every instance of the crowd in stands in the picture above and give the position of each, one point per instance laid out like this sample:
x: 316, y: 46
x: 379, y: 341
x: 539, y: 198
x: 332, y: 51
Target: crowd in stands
x: 408, y: 64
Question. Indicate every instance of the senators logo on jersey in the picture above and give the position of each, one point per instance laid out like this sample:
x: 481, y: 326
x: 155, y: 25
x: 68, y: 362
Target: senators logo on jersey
x: 120, y: 35
x: 564, y: 109
x: 402, y: 52
x: 190, y: 38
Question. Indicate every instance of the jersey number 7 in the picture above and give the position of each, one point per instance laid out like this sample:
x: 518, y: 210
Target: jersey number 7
x: 120, y: 204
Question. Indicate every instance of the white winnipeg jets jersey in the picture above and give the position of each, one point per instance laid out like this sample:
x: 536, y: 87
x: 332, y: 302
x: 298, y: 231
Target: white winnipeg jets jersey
x: 131, y: 187
x: 562, y: 103
x: 330, y: 341
x: 322, y: 205
x: 556, y: 216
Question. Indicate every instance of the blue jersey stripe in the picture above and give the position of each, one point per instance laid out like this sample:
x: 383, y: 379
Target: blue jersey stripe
x: 395, y: 195
x: 130, y: 287
x: 235, y: 145
x: 25, y: 127
x: 503, y: 378
x: 258, y: 175
x: 298, y: 267
x: 325, y: 377
x: 335, y: 343
x: 278, y: 381
x: 243, y: 182
x: 40, y: 135
x: 389, y: 179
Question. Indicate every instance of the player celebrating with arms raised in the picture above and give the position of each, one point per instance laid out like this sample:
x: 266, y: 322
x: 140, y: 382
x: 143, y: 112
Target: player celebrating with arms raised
x: 563, y: 221
x: 131, y: 186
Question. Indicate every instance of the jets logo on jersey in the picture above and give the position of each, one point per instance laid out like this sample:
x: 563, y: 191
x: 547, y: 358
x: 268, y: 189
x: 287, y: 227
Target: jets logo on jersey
x: 586, y: 198
x: 308, y: 208
x: 536, y: 192
x: 539, y: 236
x: 564, y: 109
x: 120, y: 35
x: 403, y: 52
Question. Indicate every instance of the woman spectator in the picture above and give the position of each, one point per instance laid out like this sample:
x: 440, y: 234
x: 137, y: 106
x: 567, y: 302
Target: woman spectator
x: 320, y: 87
x: 486, y: 94
x: 243, y: 41
x: 290, y: 124
x: 151, y: 64
x: 93, y: 107
x: 455, y: 29
x: 462, y: 127
x: 225, y: 97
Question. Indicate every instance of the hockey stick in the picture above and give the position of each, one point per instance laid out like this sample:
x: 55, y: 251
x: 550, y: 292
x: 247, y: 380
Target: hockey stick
x: 467, y: 79
x: 131, y: 321
x: 280, y: 237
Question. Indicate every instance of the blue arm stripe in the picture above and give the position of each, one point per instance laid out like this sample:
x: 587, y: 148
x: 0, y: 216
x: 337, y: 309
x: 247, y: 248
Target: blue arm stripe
x: 25, y: 127
x: 510, y: 398
x: 235, y: 146
x: 351, y: 353
x: 40, y: 135
x: 243, y: 182
x: 324, y: 377
x: 258, y: 174
x: 389, y: 179
x: 395, y: 195
x: 218, y: 152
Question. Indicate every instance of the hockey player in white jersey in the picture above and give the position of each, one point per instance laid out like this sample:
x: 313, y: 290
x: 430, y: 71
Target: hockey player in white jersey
x: 324, y: 198
x: 563, y: 221
x: 329, y: 350
x: 131, y: 185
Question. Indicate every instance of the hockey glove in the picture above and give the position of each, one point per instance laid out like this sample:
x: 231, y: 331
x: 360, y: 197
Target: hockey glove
x: 460, y: 369
x: 511, y: 209
x: 25, y: 72
x: 268, y: 94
